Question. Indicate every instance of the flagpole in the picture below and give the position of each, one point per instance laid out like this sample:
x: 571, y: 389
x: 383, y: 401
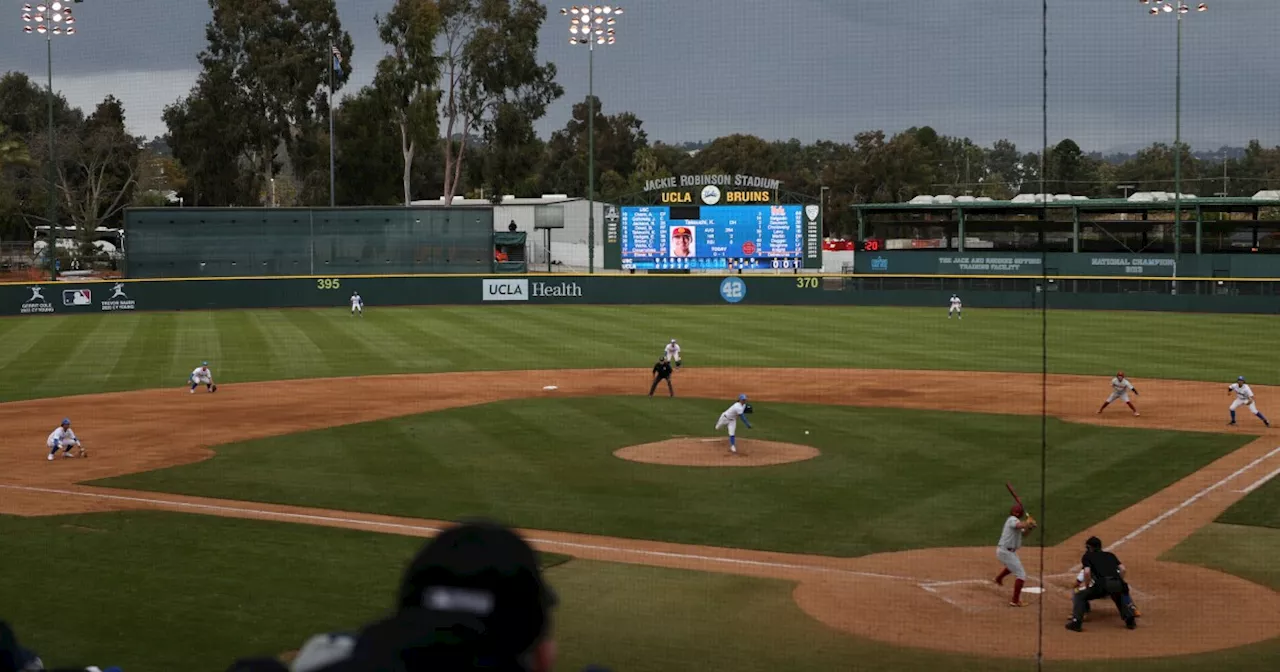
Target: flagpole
x: 331, y: 181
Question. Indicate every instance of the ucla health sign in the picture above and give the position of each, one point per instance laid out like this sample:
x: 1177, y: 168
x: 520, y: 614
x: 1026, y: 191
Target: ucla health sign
x: 523, y: 289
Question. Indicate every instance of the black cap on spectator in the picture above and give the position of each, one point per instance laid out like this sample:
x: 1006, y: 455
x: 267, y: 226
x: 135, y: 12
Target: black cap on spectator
x: 481, y: 573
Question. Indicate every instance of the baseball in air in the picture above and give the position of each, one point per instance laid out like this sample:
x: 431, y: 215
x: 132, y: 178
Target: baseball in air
x: 806, y: 432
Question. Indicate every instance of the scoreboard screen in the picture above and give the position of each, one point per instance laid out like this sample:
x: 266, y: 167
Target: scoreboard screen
x: 712, y: 237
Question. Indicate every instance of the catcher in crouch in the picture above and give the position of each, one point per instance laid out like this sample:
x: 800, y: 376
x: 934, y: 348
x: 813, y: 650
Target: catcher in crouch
x: 1007, y: 550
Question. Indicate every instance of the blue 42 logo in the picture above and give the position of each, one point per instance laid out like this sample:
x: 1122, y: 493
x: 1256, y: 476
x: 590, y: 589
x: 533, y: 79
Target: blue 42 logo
x: 733, y: 289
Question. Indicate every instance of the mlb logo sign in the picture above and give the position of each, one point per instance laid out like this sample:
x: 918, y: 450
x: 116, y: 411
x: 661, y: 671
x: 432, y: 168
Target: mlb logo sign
x: 77, y: 297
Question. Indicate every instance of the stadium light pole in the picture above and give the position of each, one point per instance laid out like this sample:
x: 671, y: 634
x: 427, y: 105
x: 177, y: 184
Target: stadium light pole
x: 591, y: 25
x: 48, y: 21
x: 1158, y: 8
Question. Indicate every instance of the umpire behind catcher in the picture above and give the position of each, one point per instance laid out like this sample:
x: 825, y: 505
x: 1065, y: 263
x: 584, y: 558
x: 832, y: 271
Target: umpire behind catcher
x: 661, y: 372
x: 1103, y: 577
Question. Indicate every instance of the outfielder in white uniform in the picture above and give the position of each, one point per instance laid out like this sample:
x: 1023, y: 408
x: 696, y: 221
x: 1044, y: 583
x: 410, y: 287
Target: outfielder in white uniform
x: 672, y: 353
x: 63, y: 437
x: 738, y: 411
x: 1007, y: 551
x: 357, y: 304
x: 1244, y: 397
x: 202, y: 376
x: 955, y: 308
x: 1120, y: 389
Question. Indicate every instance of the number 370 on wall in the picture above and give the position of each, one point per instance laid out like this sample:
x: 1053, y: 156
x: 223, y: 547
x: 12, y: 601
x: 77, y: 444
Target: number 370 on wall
x: 328, y: 283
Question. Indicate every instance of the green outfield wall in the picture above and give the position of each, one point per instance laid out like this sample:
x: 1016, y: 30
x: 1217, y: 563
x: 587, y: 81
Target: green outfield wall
x: 238, y: 242
x: 63, y: 298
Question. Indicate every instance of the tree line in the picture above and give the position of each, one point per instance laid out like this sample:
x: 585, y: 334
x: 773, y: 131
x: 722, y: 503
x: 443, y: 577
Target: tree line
x: 452, y: 110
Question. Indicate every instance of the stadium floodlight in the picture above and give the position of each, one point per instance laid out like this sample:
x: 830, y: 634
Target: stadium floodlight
x: 53, y: 19
x: 1159, y: 7
x: 592, y: 25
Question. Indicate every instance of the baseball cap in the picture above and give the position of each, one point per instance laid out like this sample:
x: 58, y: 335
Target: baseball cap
x: 484, y: 572
x: 682, y: 231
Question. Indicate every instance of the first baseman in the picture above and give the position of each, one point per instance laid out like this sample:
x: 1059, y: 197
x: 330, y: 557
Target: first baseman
x: 955, y: 307
x: 1244, y: 397
x: 730, y: 418
x: 1120, y: 388
x: 63, y: 437
x: 202, y: 376
x: 672, y: 353
x: 1007, y: 551
x: 357, y: 304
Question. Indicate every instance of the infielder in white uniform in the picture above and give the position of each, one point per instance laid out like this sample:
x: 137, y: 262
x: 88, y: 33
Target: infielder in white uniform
x: 672, y: 353
x: 1007, y: 551
x: 1244, y: 397
x: 955, y: 308
x: 63, y: 437
x: 202, y: 376
x: 738, y: 411
x: 357, y: 304
x: 1120, y: 388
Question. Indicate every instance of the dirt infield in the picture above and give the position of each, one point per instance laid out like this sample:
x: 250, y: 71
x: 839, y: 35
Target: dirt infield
x: 892, y: 597
x: 714, y: 452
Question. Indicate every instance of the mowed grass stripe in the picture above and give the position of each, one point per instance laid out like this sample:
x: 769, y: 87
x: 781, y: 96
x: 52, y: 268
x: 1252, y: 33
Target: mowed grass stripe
x: 196, y: 340
x: 347, y: 352
x: 292, y: 352
x: 49, y: 354
x: 884, y: 474
x: 102, y: 344
x: 377, y: 341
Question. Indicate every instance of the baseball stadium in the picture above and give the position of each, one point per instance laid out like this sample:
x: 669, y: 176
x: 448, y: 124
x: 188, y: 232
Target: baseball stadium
x: 229, y: 428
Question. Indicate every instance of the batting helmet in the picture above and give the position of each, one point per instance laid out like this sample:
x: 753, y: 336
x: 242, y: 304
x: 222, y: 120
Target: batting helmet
x: 1016, y: 511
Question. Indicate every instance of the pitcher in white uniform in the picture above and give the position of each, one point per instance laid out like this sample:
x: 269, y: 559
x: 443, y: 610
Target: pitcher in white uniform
x: 1120, y: 389
x: 1007, y: 551
x: 357, y: 304
x: 738, y: 411
x: 955, y: 307
x: 1244, y: 397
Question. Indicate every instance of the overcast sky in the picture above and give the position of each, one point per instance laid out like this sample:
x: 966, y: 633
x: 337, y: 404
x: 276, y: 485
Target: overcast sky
x: 807, y: 69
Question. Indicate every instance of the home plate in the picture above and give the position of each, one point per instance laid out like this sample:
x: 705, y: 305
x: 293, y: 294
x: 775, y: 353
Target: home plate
x: 1034, y: 590
x: 550, y: 388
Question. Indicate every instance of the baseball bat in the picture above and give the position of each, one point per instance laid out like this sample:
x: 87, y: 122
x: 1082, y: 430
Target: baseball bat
x: 1016, y: 498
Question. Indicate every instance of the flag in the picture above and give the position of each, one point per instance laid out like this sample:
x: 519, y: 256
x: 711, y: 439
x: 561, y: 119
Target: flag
x: 337, y: 60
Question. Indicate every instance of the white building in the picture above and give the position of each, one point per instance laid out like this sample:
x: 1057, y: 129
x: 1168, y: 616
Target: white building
x: 568, y: 245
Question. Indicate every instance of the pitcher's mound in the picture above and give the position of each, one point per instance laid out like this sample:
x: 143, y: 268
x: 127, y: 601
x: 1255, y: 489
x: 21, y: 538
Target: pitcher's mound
x: 715, y: 453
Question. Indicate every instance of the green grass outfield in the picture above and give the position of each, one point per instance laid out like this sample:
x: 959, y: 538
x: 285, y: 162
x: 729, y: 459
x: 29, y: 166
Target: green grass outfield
x: 203, y: 591
x: 60, y: 355
x: 548, y: 464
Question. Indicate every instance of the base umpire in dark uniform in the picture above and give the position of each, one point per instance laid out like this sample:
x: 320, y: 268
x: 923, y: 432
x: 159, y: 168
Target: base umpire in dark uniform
x: 1103, y: 577
x: 661, y: 372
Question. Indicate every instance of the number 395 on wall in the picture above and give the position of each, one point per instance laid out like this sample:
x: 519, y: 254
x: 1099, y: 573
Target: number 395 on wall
x: 328, y: 283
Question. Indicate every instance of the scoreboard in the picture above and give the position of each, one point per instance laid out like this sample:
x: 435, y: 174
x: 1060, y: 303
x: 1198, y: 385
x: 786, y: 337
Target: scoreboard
x: 731, y: 237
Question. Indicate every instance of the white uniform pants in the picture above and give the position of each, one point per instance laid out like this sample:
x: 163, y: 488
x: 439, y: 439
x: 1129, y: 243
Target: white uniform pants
x: 1253, y: 407
x: 726, y: 421
x: 1122, y: 396
x: 1012, y: 562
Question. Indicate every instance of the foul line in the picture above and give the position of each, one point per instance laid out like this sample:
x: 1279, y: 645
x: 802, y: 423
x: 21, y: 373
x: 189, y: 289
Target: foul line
x: 1260, y: 482
x: 426, y: 528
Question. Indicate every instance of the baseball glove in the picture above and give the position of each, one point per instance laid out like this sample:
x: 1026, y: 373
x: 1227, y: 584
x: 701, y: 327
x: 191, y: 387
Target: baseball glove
x: 213, y: 388
x: 748, y: 409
